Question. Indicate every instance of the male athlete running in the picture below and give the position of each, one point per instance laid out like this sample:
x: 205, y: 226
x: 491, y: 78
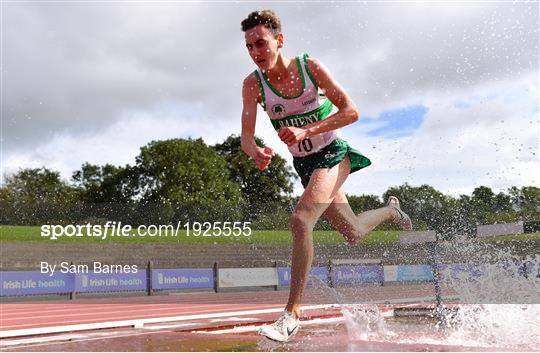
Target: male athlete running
x: 306, y: 107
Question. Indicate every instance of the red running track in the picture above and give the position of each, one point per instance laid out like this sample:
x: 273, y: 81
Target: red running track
x: 196, y: 308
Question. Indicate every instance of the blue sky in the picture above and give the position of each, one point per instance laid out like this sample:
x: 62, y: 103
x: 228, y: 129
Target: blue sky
x: 394, y: 122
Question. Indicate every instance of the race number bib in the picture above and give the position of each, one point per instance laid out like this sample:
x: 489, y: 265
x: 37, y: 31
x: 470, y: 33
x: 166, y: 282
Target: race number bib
x: 312, y: 144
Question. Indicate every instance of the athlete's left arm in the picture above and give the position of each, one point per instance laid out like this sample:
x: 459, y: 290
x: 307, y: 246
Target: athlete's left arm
x: 347, y: 111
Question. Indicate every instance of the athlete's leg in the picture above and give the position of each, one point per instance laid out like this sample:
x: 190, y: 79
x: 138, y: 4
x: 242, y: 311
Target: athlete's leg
x: 351, y: 226
x: 324, y: 195
x: 318, y: 195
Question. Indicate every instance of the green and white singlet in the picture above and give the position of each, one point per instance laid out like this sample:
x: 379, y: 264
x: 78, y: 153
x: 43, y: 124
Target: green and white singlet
x: 306, y: 108
x: 320, y: 151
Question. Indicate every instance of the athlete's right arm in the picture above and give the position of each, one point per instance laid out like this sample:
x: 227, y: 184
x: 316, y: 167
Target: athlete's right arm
x: 250, y: 97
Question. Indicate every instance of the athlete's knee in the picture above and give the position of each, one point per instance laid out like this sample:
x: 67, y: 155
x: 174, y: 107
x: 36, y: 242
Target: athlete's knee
x: 354, y: 234
x: 301, y: 222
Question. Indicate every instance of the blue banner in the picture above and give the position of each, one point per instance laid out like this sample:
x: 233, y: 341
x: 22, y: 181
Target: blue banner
x: 515, y: 267
x: 357, y: 274
x: 110, y: 282
x: 414, y: 273
x: 182, y: 278
x: 462, y: 271
x: 316, y: 276
x: 35, y: 282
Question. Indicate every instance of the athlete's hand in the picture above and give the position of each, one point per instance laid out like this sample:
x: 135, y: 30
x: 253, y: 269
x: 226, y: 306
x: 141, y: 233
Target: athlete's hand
x: 262, y: 157
x: 292, y: 135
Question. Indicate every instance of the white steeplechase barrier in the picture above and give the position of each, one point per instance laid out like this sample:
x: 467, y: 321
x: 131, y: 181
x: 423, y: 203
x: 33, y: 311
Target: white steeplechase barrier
x: 500, y: 229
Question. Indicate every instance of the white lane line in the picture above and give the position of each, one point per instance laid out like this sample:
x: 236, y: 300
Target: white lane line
x: 252, y: 328
x: 92, y: 338
x: 211, y: 309
x: 118, y: 310
x: 8, y: 343
x: 138, y: 323
x: 315, y: 321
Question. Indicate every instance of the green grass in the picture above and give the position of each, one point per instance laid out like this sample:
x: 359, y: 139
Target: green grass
x: 33, y: 234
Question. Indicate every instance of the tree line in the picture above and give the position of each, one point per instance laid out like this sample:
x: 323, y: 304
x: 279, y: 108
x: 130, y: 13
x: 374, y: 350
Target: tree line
x: 188, y: 180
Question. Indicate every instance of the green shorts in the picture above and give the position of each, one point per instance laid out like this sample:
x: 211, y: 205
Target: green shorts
x: 329, y: 157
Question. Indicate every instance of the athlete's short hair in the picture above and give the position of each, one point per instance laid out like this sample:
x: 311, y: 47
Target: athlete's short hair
x: 267, y: 18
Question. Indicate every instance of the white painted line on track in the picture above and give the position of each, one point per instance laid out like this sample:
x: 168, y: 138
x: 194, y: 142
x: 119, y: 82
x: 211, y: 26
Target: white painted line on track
x: 17, y: 342
x: 316, y: 321
x: 90, y: 339
x: 119, y: 310
x: 253, y: 328
x: 208, y: 309
x: 138, y: 323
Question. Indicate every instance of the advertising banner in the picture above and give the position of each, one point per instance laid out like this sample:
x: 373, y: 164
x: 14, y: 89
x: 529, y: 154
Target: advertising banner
x: 414, y: 273
x: 110, y: 282
x: 390, y: 273
x: 317, y: 275
x: 182, y: 278
x: 35, y: 282
x: 357, y: 274
x: 247, y: 277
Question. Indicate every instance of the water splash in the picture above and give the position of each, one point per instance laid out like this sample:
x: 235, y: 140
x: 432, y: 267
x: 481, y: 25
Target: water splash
x: 511, y: 326
x: 498, y: 294
x: 500, y: 301
x: 364, y: 322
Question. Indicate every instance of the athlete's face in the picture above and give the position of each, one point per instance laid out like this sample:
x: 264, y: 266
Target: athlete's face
x: 263, y: 46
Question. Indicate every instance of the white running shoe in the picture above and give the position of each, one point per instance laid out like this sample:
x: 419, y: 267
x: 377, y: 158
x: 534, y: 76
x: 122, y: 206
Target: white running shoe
x: 283, y: 329
x: 400, y: 217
